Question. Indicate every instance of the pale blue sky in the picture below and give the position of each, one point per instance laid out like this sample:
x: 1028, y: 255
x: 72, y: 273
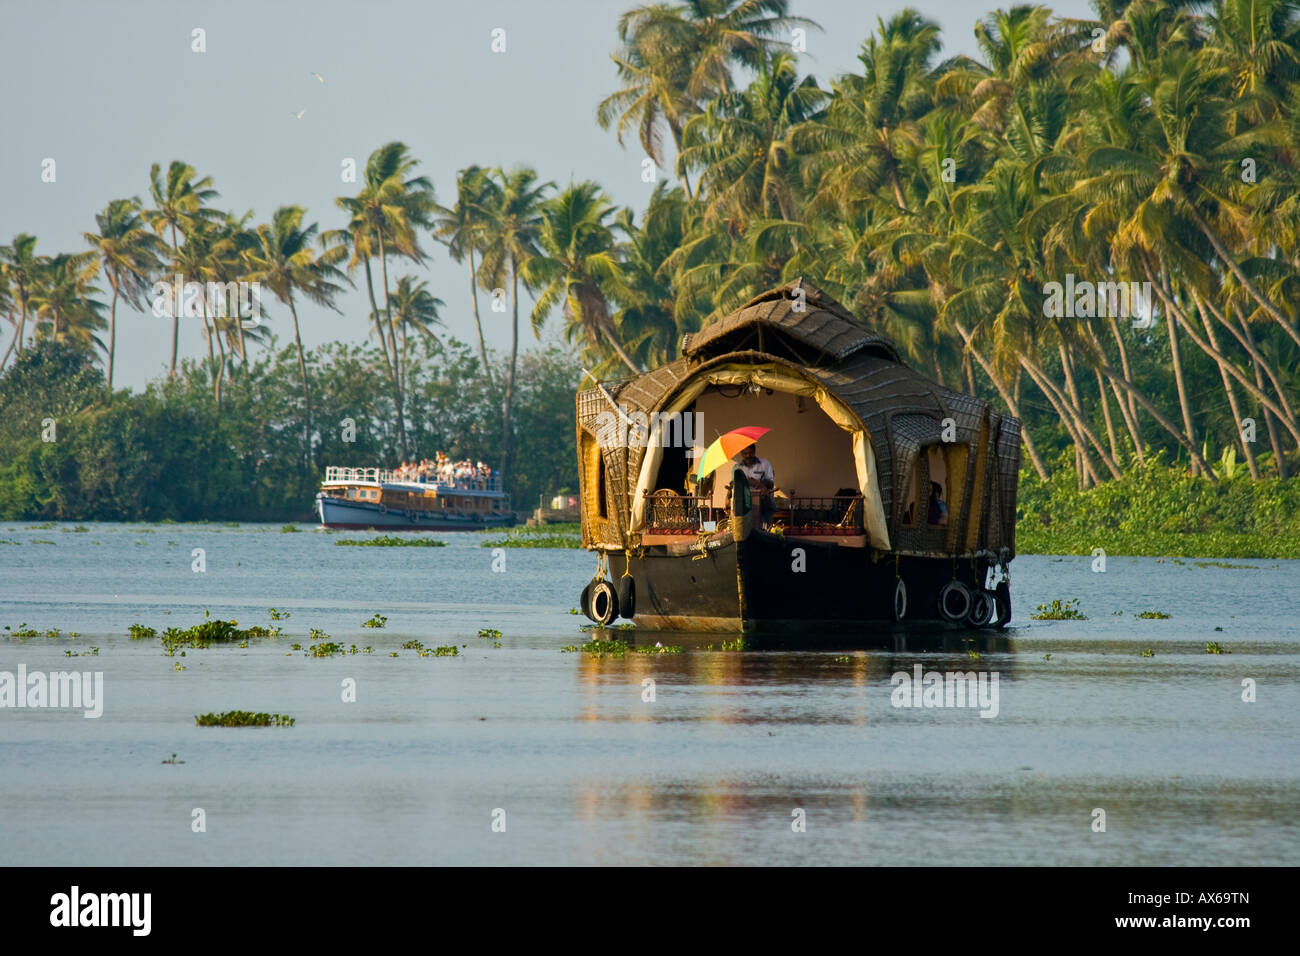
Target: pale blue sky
x: 107, y: 88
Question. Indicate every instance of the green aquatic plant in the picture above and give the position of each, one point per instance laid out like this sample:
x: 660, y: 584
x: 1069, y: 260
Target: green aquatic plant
x: 1047, y: 657
x: 140, y: 632
x: 243, y: 718
x: 412, y: 646
x: 43, y: 541
x: 7, y: 541
x: 567, y: 535
x: 173, y: 760
x: 210, y: 631
x: 574, y: 610
x: 289, y: 529
x: 47, y: 526
x: 317, y: 635
x: 1147, y: 652
x: 450, y: 650
x: 1058, y: 611
x: 295, y: 647
x: 178, y: 665
x: 737, y: 645
x: 1153, y: 616
x: 489, y: 632
x: 1213, y: 647
x: 278, y: 615
x: 656, y: 648
x: 601, y: 648
x: 325, y: 649
x: 377, y: 620
x: 390, y: 541
x: 1225, y: 564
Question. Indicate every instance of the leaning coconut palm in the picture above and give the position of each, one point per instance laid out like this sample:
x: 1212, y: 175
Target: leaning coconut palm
x: 21, y: 265
x: 575, y: 267
x: 384, y: 218
x: 415, y: 311
x: 178, y: 202
x: 742, y: 145
x: 646, y: 313
x: 63, y: 300
x: 284, y: 261
x: 129, y: 255
x: 463, y: 227
x: 510, y: 241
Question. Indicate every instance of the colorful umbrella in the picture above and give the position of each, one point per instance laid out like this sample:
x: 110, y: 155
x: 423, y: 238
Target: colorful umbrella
x: 726, y: 448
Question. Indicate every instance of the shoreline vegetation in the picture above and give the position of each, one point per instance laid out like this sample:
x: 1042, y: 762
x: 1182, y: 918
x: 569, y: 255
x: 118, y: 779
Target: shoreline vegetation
x: 1092, y: 224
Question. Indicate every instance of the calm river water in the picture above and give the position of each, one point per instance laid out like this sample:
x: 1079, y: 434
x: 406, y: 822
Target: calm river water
x: 771, y: 755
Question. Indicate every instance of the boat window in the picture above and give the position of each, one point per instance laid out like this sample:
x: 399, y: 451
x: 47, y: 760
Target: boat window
x: 600, y: 488
x: 352, y: 493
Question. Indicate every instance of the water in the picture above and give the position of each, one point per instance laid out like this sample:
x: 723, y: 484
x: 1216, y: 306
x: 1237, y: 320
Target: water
x: 587, y: 772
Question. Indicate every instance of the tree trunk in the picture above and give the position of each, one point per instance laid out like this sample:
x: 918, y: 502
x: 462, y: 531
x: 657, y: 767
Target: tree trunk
x: 1081, y: 426
x: 1083, y: 461
x: 1279, y: 457
x: 112, y: 332
x: 397, y: 359
x: 478, y: 323
x: 176, y: 313
x: 1155, y: 413
x: 1172, y: 322
x: 1244, y: 279
x: 388, y: 363
x: 1011, y: 398
x: 1131, y: 419
x: 1232, y: 393
x: 507, y: 440
x: 1105, y: 411
x: 302, y: 370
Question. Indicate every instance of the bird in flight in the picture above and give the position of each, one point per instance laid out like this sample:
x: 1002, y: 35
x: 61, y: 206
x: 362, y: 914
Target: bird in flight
x: 299, y: 114
x: 319, y: 77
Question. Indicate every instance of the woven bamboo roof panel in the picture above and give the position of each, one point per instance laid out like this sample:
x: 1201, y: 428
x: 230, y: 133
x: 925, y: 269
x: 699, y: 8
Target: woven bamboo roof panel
x: 814, y: 321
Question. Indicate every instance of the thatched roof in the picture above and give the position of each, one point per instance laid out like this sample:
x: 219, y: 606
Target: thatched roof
x: 812, y: 327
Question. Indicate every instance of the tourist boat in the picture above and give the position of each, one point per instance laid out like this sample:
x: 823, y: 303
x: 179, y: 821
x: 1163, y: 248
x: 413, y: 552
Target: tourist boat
x: 374, y: 498
x: 864, y: 449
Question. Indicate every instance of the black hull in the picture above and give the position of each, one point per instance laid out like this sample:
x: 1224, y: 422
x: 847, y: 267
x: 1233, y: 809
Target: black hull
x: 755, y: 585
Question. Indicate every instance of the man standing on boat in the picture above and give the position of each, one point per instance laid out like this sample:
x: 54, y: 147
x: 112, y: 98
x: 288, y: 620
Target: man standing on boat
x: 758, y: 471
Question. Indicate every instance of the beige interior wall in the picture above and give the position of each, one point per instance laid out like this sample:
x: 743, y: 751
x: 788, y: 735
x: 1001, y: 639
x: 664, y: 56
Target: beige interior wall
x: 811, y: 456
x: 786, y: 382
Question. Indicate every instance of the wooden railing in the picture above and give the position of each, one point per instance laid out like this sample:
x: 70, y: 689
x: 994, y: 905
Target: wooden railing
x: 829, y: 515
x: 335, y: 474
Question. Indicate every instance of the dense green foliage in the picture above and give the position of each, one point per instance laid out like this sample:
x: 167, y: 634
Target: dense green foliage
x: 948, y: 203
x: 1156, y: 510
x: 170, y: 452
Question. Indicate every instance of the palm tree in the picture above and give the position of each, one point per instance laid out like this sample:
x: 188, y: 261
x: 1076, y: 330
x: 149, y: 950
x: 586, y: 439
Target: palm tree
x: 415, y: 311
x: 284, y: 261
x: 384, y: 217
x: 62, y: 300
x: 577, y: 263
x: 674, y: 59
x: 463, y: 227
x: 20, y: 266
x: 742, y: 145
x: 178, y: 202
x: 128, y: 255
x: 510, y: 242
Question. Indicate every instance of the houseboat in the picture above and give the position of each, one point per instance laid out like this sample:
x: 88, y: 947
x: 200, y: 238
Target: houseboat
x: 893, y: 498
x: 379, y: 499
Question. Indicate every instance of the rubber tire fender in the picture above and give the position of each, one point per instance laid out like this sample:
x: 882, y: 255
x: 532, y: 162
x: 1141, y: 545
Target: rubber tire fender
x: 900, y: 600
x: 604, y: 602
x: 584, y: 602
x: 954, y: 587
x: 1002, y: 601
x: 983, y: 608
x: 627, y: 596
